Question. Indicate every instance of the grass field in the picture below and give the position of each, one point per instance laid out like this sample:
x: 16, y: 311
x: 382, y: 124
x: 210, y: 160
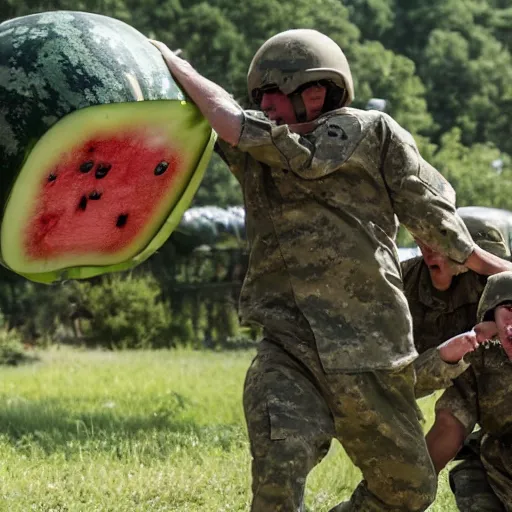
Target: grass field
x: 139, y: 431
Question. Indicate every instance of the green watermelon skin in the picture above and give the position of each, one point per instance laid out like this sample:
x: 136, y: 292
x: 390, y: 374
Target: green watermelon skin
x: 57, y: 62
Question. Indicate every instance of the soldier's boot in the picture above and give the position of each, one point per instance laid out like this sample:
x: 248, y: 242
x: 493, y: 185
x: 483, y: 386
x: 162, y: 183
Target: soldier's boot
x: 473, y: 493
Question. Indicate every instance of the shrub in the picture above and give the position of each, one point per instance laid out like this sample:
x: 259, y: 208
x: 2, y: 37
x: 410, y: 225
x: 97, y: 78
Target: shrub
x: 126, y: 312
x: 12, y: 351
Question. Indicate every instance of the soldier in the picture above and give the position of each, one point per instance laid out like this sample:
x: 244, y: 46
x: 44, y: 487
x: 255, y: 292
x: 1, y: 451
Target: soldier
x: 482, y: 395
x: 323, y: 184
x: 443, y: 299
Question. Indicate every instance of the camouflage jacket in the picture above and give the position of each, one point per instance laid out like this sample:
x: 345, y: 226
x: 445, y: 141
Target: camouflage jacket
x: 437, y: 317
x: 321, y: 219
x: 482, y: 394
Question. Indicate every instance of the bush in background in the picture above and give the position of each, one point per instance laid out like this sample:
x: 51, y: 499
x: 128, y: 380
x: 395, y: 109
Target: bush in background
x: 12, y: 351
x: 126, y: 312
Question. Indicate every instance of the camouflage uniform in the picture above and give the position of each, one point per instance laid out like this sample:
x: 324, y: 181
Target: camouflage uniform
x: 436, y: 317
x: 324, y: 281
x: 482, y: 395
x: 439, y: 315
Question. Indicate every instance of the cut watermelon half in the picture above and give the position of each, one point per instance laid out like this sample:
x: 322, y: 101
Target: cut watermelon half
x: 100, y: 152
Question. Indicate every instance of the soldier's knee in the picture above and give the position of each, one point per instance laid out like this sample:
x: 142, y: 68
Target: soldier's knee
x: 285, y: 457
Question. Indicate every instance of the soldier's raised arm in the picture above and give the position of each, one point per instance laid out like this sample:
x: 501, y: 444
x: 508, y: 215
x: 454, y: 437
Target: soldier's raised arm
x: 223, y: 113
x: 420, y: 196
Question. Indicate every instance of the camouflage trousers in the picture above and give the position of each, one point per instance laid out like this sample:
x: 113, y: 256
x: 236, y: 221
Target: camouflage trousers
x: 293, y: 411
x: 482, y: 482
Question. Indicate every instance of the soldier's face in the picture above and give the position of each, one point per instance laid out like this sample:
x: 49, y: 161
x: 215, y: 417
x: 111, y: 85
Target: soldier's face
x: 279, y: 108
x: 503, y: 319
x: 440, y: 268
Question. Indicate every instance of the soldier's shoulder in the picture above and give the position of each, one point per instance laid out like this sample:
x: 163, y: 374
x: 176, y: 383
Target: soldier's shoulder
x: 350, y: 115
x: 345, y: 125
x: 373, y: 119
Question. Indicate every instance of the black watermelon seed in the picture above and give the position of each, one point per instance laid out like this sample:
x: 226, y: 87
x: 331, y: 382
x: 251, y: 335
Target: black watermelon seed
x: 102, y: 170
x: 161, y: 168
x: 121, y: 220
x: 86, y: 166
x: 91, y: 149
x: 83, y: 203
x: 94, y: 196
x: 52, y: 177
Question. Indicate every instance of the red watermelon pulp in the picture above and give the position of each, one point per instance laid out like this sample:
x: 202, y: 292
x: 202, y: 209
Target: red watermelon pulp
x: 106, y: 190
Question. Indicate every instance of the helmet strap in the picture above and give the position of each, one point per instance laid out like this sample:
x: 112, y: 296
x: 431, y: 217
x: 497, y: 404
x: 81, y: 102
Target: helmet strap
x: 334, y: 97
x: 299, y: 107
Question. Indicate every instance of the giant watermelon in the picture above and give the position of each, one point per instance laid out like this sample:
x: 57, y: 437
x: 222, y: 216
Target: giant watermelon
x: 100, y: 150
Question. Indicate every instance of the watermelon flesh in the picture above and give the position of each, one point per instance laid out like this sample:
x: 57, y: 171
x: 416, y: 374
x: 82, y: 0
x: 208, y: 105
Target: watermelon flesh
x: 94, y: 179
x: 119, y: 181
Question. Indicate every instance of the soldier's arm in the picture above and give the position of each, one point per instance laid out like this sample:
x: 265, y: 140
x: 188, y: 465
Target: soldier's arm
x: 424, y: 201
x: 445, y: 438
x: 422, y: 198
x: 223, y: 113
x: 486, y: 263
x: 456, y: 417
x: 436, y: 368
x: 434, y: 373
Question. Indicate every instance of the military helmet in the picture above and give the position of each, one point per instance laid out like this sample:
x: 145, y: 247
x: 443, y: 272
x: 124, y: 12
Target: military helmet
x: 497, y: 291
x: 295, y: 58
x: 486, y: 235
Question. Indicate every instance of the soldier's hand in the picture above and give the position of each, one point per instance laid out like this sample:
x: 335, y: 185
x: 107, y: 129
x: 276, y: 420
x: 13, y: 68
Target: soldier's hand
x: 171, y: 58
x: 453, y: 350
x: 485, y: 331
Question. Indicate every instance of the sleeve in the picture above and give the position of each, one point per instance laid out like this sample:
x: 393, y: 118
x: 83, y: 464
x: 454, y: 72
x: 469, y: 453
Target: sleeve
x: 235, y: 159
x: 422, y: 198
x: 432, y: 373
x: 311, y: 157
x: 461, y: 400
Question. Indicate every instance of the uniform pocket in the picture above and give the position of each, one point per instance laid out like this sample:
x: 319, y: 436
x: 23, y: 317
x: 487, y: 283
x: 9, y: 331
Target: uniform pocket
x: 278, y: 429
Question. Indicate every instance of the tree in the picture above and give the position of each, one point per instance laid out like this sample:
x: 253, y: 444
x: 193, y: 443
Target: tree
x: 381, y: 73
x: 474, y: 172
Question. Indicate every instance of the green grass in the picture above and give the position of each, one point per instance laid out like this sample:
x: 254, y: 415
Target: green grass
x: 139, y: 431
